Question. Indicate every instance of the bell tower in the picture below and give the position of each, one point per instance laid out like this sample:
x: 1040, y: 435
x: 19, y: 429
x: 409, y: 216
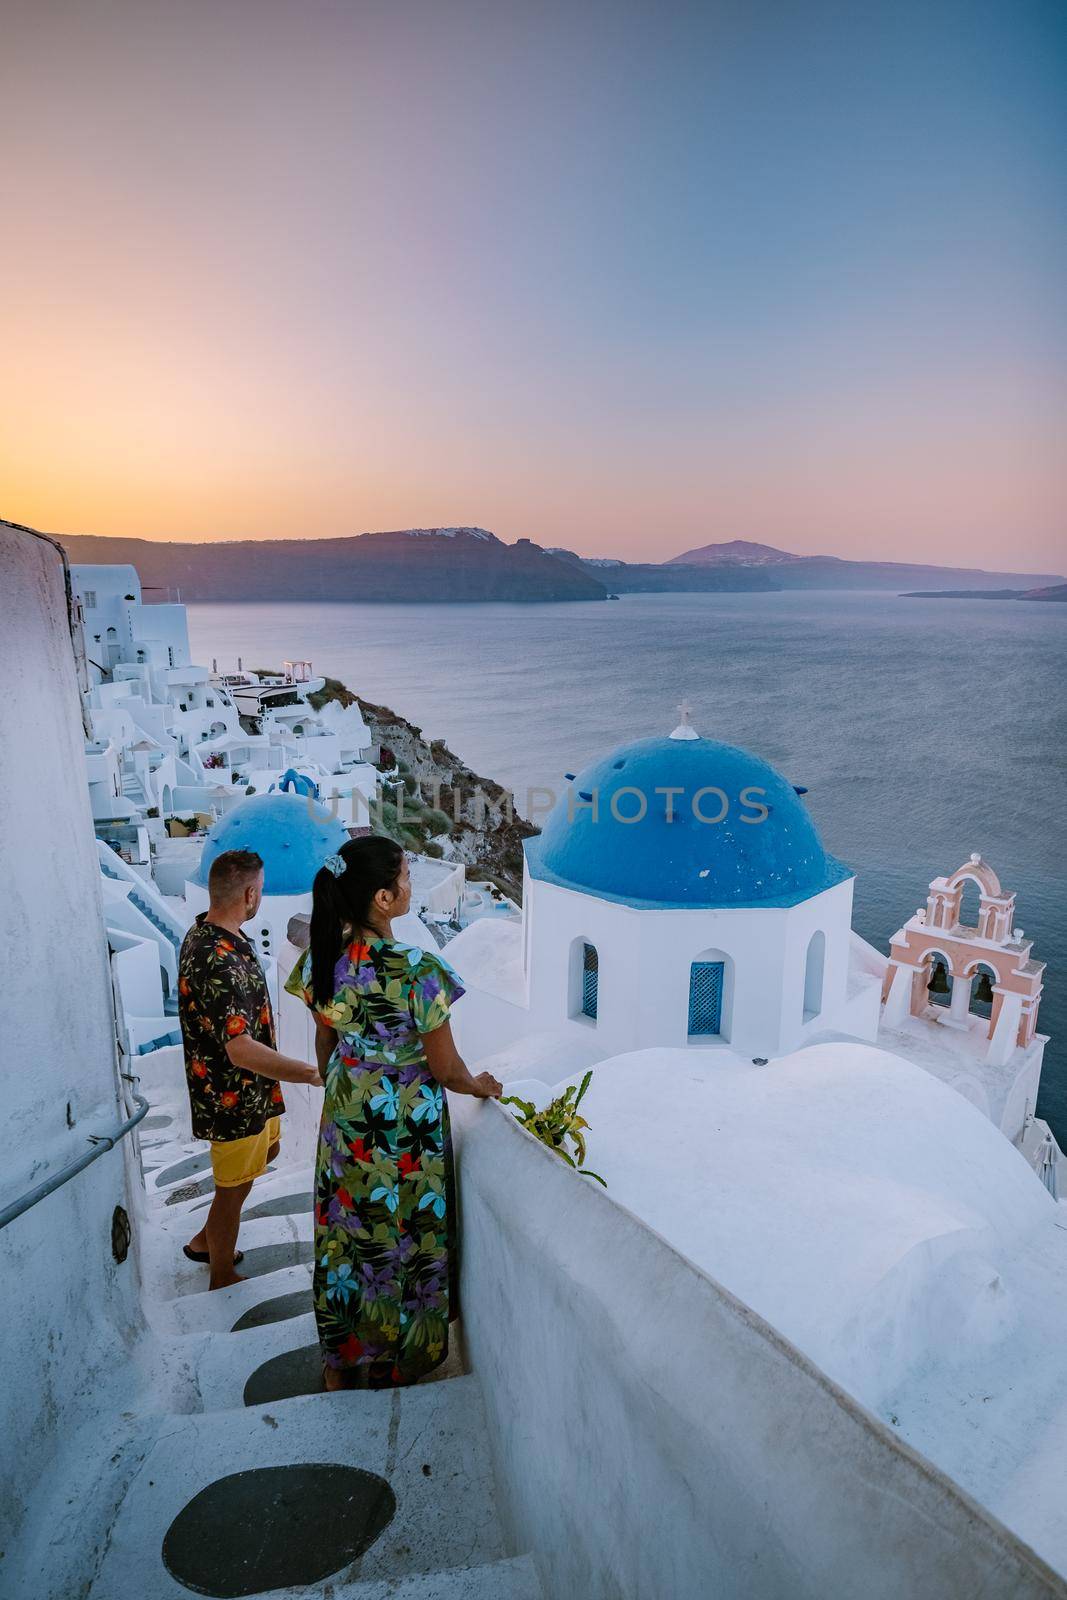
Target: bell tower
x: 976, y: 977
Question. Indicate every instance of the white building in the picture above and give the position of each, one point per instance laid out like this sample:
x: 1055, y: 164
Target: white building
x: 678, y: 895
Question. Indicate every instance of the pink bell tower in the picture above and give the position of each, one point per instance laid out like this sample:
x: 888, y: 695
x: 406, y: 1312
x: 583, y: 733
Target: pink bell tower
x: 993, y: 956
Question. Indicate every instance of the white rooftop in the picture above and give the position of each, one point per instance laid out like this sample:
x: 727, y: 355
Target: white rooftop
x: 878, y: 1221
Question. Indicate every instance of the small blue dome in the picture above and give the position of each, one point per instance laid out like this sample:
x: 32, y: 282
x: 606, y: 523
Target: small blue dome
x: 292, y: 834
x: 734, y: 832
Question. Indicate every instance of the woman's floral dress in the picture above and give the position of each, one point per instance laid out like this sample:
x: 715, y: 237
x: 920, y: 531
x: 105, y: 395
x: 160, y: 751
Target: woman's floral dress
x: 384, y: 1189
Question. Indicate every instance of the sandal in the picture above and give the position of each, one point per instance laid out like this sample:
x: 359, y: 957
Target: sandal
x: 203, y: 1259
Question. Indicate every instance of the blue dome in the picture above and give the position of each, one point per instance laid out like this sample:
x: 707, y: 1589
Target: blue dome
x: 292, y: 834
x: 692, y: 849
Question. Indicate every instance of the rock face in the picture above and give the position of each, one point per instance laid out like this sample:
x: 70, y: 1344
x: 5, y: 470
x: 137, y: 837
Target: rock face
x: 438, y: 803
x: 423, y: 564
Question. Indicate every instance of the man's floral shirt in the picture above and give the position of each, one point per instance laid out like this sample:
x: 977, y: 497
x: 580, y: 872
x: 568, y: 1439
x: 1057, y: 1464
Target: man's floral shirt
x: 222, y: 993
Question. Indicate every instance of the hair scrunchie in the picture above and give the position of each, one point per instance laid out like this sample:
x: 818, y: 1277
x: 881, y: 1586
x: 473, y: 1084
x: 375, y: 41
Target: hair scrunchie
x: 335, y: 864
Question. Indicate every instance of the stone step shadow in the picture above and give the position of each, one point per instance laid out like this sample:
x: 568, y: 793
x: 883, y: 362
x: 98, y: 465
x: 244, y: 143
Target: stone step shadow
x: 283, y: 1205
x: 264, y: 1258
x: 190, y: 1167
x: 198, y: 1191
x: 236, y: 1538
x: 300, y: 1372
x: 278, y: 1309
x: 293, y: 1372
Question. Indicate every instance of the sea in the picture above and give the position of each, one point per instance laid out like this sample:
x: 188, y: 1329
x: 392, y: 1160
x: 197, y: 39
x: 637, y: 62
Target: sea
x: 923, y: 730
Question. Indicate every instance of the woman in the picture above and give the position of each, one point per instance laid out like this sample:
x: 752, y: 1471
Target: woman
x: 385, y: 1218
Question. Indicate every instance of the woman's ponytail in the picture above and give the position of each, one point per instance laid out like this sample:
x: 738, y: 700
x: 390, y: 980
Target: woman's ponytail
x: 342, y: 899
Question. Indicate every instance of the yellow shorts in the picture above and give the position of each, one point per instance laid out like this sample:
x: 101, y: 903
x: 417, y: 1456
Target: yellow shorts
x: 238, y: 1161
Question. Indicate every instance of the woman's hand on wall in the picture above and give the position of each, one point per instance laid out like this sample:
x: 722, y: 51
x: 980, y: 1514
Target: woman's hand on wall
x: 450, y: 1070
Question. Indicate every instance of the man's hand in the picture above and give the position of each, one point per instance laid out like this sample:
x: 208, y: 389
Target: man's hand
x: 485, y: 1087
x: 252, y: 1056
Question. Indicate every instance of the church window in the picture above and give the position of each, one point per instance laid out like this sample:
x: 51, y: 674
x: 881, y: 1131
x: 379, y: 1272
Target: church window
x: 590, y: 980
x: 705, y: 997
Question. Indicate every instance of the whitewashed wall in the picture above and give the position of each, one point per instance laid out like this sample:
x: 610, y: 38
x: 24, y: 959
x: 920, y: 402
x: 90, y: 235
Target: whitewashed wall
x: 655, y: 1439
x: 70, y: 1312
x: 645, y: 957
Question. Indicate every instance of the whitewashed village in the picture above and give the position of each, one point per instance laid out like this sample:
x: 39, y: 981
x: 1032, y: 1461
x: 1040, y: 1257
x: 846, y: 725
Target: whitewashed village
x: 805, y: 1341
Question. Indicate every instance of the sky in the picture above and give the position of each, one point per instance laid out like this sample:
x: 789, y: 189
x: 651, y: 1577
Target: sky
x: 627, y: 277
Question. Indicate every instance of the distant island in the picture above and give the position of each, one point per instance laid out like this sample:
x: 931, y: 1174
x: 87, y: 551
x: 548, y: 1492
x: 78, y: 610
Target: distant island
x: 414, y: 564
x: 472, y: 564
x: 1052, y: 591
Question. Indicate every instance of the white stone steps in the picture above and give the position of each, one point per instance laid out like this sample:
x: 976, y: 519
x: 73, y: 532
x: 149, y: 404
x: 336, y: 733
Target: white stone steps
x: 514, y: 1578
x: 428, y: 1442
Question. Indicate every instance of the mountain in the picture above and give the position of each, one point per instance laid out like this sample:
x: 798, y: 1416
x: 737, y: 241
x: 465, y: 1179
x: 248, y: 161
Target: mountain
x: 444, y: 564
x: 424, y: 564
x: 787, y: 571
x: 735, y: 552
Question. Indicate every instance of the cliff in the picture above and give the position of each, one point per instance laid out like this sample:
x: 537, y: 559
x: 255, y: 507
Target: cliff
x: 412, y: 564
x: 634, y: 577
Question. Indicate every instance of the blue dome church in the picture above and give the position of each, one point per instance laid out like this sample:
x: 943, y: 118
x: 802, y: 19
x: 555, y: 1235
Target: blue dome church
x: 679, y: 894
x: 290, y: 831
x: 293, y: 834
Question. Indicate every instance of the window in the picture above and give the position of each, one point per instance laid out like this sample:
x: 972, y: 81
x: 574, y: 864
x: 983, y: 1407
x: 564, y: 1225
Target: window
x: 590, y: 980
x: 813, y: 973
x: 89, y: 600
x: 705, y: 996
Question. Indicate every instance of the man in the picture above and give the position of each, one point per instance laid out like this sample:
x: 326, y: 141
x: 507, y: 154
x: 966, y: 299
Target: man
x: 231, y: 1064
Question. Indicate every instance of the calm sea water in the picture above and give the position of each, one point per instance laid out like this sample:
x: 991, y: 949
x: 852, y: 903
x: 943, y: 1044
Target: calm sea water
x: 923, y: 729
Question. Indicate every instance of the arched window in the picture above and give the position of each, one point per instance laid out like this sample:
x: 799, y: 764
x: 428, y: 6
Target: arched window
x: 970, y: 904
x: 590, y: 980
x: 584, y: 979
x: 707, y: 981
x: 813, y: 975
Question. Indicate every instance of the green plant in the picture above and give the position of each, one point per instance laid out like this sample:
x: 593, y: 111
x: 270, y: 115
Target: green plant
x: 558, y: 1122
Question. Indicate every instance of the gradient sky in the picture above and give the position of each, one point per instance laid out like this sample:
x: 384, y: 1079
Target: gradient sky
x: 624, y: 277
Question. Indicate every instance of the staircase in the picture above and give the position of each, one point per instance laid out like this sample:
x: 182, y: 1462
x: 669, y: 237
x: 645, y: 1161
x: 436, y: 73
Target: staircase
x: 133, y: 789
x: 242, y: 1476
x: 143, y: 895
